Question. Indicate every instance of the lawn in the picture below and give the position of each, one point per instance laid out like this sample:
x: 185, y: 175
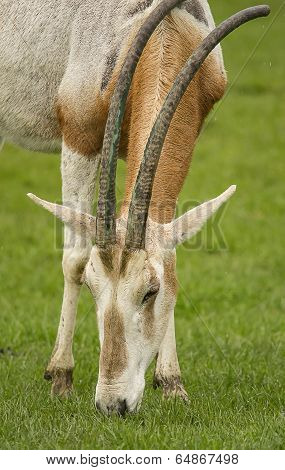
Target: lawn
x: 230, y: 313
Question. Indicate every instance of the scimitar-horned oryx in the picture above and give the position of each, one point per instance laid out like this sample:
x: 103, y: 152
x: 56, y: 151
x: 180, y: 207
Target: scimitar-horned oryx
x: 69, y: 71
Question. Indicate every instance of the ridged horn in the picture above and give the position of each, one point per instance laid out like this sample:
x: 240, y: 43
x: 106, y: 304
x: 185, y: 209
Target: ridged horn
x: 141, y: 197
x: 106, y: 209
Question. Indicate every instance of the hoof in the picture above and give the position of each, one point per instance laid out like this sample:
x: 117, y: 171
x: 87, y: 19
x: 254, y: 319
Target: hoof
x: 172, y: 387
x: 61, y: 382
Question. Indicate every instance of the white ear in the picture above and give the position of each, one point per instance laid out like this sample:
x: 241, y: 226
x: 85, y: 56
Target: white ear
x: 190, y: 223
x: 79, y: 221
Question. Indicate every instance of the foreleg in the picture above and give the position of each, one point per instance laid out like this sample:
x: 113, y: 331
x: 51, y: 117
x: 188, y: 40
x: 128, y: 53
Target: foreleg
x: 78, y: 186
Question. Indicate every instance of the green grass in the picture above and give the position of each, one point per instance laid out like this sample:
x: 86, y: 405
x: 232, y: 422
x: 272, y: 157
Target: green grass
x: 231, y: 307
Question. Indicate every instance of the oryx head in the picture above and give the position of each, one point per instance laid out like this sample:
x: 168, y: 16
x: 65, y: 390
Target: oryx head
x: 131, y: 269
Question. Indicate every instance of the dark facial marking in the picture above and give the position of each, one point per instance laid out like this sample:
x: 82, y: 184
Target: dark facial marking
x: 109, y: 68
x: 195, y: 9
x: 113, y: 358
x: 106, y: 256
x: 139, y: 8
x: 126, y: 256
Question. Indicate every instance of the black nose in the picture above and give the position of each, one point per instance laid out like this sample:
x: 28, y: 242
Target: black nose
x: 122, y: 408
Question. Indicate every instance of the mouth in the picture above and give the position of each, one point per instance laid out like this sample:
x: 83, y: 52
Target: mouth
x: 120, y: 407
x: 115, y: 399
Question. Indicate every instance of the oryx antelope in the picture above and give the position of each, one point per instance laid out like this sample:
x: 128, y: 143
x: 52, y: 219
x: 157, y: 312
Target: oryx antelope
x: 98, y: 79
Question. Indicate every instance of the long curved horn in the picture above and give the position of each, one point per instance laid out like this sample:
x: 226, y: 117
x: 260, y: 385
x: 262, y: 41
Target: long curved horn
x: 139, y: 206
x: 106, y: 210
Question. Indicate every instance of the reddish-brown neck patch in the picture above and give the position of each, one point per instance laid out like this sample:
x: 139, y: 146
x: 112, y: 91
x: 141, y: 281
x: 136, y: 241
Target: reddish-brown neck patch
x: 165, y: 54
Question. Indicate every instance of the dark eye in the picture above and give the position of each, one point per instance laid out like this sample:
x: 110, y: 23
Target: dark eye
x: 151, y: 293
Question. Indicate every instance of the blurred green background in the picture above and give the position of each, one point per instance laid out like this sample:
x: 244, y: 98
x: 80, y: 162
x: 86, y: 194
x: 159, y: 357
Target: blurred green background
x: 230, y: 313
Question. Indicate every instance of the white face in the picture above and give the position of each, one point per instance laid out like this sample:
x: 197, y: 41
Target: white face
x: 135, y: 294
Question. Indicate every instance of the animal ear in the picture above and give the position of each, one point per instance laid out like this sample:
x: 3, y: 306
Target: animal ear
x: 189, y: 224
x: 79, y: 221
